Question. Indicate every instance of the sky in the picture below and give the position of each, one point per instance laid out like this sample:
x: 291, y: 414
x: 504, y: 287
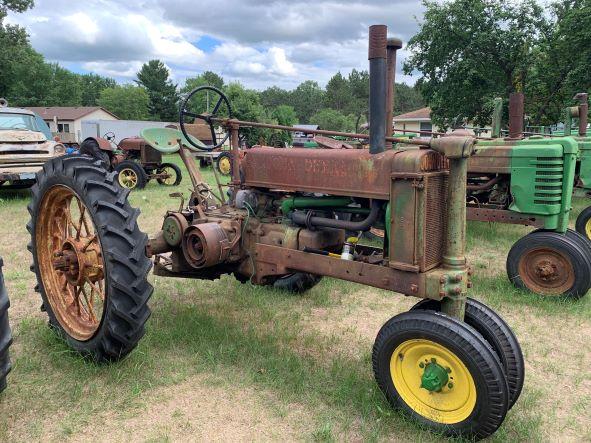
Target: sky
x: 258, y: 43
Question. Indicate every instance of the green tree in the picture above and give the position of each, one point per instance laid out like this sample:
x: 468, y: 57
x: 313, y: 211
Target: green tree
x: 471, y: 51
x: 128, y: 102
x: 154, y: 76
x: 13, y: 44
x: 207, y: 78
x: 333, y: 120
x: 274, y: 96
x: 407, y: 98
x: 338, y: 93
x: 91, y: 86
x: 562, y: 62
x: 286, y: 116
x: 307, y: 99
x: 246, y: 105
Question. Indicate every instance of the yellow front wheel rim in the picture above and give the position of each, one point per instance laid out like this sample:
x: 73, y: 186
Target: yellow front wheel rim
x: 128, y: 178
x: 456, y: 399
x: 225, y: 165
x: 588, y: 228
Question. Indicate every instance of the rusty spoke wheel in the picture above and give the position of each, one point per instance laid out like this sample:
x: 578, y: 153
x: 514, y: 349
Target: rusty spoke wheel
x: 551, y: 264
x: 89, y: 259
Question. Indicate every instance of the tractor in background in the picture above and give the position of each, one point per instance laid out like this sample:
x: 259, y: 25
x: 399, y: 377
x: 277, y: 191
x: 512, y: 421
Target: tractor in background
x: 451, y: 363
x: 134, y: 160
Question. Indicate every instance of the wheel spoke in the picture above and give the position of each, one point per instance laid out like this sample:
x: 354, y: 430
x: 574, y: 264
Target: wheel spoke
x: 217, y: 106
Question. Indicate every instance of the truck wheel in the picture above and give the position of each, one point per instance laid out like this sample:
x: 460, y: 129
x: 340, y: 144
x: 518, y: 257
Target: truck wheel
x: 297, y: 283
x: 91, y: 148
x: 583, y: 223
x: 89, y: 258
x: 550, y: 264
x: 442, y: 373
x: 5, y: 334
x: 173, y: 172
x: 224, y: 163
x: 498, y: 334
x: 131, y: 175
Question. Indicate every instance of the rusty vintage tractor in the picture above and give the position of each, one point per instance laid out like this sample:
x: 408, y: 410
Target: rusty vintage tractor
x: 134, y: 160
x: 451, y: 363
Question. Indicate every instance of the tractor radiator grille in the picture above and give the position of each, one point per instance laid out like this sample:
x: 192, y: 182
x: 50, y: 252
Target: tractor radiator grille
x: 548, y: 181
x: 435, y: 220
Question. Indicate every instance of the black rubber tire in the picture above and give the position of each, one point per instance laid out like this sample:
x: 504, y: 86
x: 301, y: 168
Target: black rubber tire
x: 91, y: 148
x: 126, y: 264
x: 203, y: 163
x: 576, y: 251
x: 223, y: 155
x: 498, y: 334
x: 142, y: 177
x: 5, y: 333
x: 297, y: 283
x: 492, y: 396
x: 582, y: 239
x: 177, y: 171
x: 582, y: 221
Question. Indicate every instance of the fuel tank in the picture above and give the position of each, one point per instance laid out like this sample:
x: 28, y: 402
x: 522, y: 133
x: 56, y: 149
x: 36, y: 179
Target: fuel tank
x: 355, y: 173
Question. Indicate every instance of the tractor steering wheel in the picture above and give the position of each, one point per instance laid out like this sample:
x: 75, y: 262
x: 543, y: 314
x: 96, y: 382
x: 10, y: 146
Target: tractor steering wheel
x: 221, y: 108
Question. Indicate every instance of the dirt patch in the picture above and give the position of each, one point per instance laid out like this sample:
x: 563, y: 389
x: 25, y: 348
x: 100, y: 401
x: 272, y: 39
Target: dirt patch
x: 202, y: 409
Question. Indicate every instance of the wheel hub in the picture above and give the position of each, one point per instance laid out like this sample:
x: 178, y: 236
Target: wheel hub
x: 434, y: 378
x: 546, y: 270
x: 78, y: 261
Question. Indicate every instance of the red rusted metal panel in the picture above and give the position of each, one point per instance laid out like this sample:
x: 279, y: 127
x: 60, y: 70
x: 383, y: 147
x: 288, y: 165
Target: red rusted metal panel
x: 502, y: 216
x: 492, y: 160
x: 355, y: 173
x: 132, y: 144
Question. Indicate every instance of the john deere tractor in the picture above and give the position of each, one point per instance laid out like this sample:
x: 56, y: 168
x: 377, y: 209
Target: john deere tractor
x: 451, y: 363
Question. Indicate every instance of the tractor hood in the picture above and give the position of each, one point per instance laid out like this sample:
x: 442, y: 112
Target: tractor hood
x: 20, y: 136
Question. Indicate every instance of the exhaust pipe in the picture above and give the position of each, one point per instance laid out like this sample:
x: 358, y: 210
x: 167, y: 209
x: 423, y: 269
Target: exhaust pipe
x: 377, y: 55
x: 583, y: 100
x: 516, y: 115
x: 394, y: 44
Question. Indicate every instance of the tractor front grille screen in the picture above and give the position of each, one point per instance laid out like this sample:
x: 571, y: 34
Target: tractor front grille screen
x: 435, y: 219
x: 548, y: 181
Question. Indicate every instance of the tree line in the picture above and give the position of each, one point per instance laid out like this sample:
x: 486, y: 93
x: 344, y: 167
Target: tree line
x: 467, y: 52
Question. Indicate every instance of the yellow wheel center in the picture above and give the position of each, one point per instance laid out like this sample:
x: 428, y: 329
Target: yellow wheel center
x: 225, y: 165
x: 128, y: 178
x: 453, y: 402
x: 588, y: 228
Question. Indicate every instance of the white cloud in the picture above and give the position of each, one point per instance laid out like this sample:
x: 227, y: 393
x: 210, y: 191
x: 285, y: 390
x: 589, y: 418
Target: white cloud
x: 262, y: 43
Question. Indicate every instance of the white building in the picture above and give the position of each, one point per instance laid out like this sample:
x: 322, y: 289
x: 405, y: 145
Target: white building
x: 66, y: 121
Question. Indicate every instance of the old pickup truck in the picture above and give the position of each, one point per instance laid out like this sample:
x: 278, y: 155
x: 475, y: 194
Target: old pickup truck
x: 25, y: 144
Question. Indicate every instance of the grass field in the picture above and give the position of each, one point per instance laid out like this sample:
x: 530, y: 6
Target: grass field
x: 227, y: 361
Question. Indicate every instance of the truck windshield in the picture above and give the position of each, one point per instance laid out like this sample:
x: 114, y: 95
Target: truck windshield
x: 17, y: 121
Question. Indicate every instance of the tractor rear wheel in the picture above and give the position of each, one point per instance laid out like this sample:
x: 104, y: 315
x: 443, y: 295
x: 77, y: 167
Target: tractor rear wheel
x: 173, y: 172
x: 583, y: 223
x: 89, y: 258
x: 442, y: 373
x: 131, y: 175
x: 550, y: 264
x: 5, y: 333
x: 498, y: 334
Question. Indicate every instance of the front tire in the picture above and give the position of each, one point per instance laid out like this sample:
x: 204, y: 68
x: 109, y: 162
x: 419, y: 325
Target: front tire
x: 442, y: 373
x: 498, y: 334
x: 550, y: 264
x: 88, y: 258
x: 174, y: 173
x: 583, y: 223
x: 224, y: 163
x: 297, y: 283
x: 131, y: 175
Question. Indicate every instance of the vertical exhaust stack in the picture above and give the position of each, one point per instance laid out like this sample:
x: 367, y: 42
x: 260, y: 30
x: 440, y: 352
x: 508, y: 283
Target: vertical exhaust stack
x: 516, y: 110
x: 583, y: 99
x: 377, y: 55
x: 394, y: 44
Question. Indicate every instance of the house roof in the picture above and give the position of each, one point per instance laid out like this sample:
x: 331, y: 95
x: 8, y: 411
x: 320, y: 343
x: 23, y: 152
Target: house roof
x: 420, y: 114
x: 66, y: 112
